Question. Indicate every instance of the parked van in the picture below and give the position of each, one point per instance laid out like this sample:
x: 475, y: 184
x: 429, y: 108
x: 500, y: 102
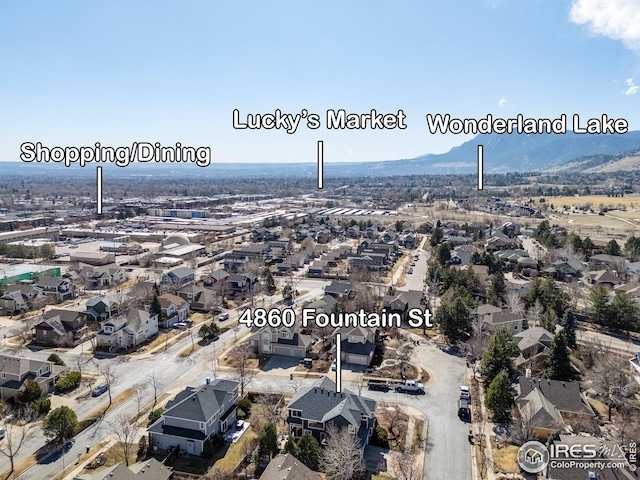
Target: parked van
x: 99, y: 390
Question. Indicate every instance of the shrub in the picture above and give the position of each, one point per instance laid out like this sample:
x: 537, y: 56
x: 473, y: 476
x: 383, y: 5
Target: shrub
x: 244, y: 408
x: 69, y: 382
x: 56, y: 359
x: 41, y: 406
x: 207, y: 449
x: 380, y: 438
x: 155, y: 415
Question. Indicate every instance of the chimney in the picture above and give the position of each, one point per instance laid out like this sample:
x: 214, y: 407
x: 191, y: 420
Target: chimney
x: 208, y: 381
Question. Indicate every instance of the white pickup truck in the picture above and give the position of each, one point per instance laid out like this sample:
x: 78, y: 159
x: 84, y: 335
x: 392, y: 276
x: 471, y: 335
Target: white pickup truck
x: 409, y: 386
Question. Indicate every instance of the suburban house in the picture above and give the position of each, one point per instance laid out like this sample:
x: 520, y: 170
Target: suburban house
x: 150, y: 469
x: 216, y: 277
x: 99, y: 308
x: 241, y: 284
x: 490, y: 319
x: 62, y: 289
x: 403, y: 301
x: 195, y: 415
x: 357, y: 344
x: 281, y: 340
x: 174, y: 309
x: 103, y: 275
x: 180, y: 277
x: 602, y: 277
x: 200, y: 299
x: 339, y: 290
x: 288, y: 467
x: 551, y: 405
x: 61, y: 327
x: 126, y: 331
x: 312, y: 409
x: 19, y: 298
x: 14, y: 371
x: 324, y: 304
x: 534, y: 345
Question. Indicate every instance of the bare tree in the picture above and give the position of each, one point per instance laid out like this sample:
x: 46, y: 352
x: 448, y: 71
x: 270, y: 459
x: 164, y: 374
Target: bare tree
x: 107, y: 373
x: 406, y: 467
x: 139, y: 388
x: 515, y: 303
x: 522, y: 429
x: 243, y: 372
x: 24, y: 330
x: 342, y: 456
x: 154, y: 383
x: 126, y: 434
x: 613, y: 384
x: 16, y: 435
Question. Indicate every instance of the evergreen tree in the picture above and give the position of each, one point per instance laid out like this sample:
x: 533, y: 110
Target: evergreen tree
x: 310, y: 451
x: 558, y: 363
x: 499, y: 398
x: 498, y: 356
x: 292, y: 447
x: 612, y: 248
x: 497, y: 290
x: 549, y: 320
x: 453, y: 319
x: 624, y: 312
x: 60, y: 424
x: 268, y: 442
x: 156, y: 308
x: 30, y: 391
x: 269, y: 283
x: 600, y: 309
x: 569, y: 325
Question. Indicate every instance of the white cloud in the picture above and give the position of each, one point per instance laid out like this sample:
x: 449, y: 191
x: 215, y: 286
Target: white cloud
x: 632, y: 88
x: 502, y: 102
x: 616, y: 19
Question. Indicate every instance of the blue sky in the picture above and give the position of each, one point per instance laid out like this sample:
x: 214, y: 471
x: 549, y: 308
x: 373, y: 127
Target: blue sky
x: 77, y: 72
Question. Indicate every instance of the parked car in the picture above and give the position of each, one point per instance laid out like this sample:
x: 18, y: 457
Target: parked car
x: 99, y: 390
x: 410, y: 271
x: 334, y: 366
x: 223, y: 316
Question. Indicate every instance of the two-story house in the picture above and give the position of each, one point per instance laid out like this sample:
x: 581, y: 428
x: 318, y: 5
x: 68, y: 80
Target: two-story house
x: 174, y: 309
x: 14, y: 371
x: 312, y: 409
x: 100, y: 308
x: 61, y: 327
x: 103, y: 276
x: 281, y: 340
x: 200, y: 299
x: 180, y: 277
x: 126, y: 331
x: 195, y: 415
x: 62, y: 289
x: 21, y: 298
x: 357, y: 344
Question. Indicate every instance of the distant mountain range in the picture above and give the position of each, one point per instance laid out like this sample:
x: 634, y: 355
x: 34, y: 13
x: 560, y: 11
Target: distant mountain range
x: 502, y: 153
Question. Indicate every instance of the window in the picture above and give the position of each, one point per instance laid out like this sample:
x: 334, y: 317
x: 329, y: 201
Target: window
x: 295, y: 413
x: 201, y: 425
x: 284, y: 334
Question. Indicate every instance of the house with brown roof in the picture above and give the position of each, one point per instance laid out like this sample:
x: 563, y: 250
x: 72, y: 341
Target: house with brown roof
x: 551, y: 405
x: 534, y: 345
x: 174, y: 309
x: 61, y: 327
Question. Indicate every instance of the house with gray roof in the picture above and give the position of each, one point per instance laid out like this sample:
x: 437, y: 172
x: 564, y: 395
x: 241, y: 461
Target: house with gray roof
x: 552, y: 405
x: 61, y: 327
x: 150, y: 469
x: 312, y: 409
x: 14, y: 371
x: 127, y: 331
x: 534, y: 345
x: 180, y: 277
x: 288, y: 467
x: 195, y: 415
x: 287, y: 341
x: 62, y: 289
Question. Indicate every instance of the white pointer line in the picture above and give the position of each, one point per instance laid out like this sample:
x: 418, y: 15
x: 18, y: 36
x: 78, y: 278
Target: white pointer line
x: 480, y: 166
x: 99, y: 185
x: 338, y: 364
x: 320, y: 165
